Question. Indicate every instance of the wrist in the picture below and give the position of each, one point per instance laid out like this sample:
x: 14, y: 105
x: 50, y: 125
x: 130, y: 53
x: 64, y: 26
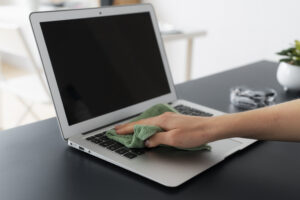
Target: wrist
x: 221, y: 127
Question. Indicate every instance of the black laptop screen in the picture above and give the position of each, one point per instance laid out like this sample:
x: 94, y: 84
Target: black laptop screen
x: 103, y: 64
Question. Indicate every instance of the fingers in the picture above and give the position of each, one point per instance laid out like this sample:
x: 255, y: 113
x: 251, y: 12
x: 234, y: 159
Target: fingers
x: 165, y: 138
x: 125, y: 128
x: 161, y: 121
x: 128, y: 128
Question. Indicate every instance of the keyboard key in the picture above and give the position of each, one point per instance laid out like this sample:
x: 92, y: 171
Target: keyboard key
x: 98, y: 137
x: 100, y: 142
x: 90, y: 138
x: 104, y: 138
x: 94, y: 140
x: 107, y: 143
x: 130, y: 155
x: 138, y: 151
x: 122, y: 150
x: 191, y: 111
x: 115, y: 146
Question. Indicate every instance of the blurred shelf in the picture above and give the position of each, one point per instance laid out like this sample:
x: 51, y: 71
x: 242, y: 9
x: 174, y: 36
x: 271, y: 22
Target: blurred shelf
x: 190, y: 37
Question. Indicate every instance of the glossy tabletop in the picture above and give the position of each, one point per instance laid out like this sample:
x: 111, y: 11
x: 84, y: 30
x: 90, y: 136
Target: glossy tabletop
x: 35, y: 163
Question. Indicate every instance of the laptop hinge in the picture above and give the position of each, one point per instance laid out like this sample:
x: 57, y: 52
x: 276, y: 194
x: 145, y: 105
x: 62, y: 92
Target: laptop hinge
x: 101, y: 127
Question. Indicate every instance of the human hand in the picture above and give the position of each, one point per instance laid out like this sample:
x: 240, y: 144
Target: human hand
x: 180, y: 130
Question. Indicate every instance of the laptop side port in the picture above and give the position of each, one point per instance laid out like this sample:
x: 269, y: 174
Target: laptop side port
x: 81, y: 148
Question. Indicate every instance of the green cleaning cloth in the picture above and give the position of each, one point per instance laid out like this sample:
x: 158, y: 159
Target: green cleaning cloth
x: 143, y: 132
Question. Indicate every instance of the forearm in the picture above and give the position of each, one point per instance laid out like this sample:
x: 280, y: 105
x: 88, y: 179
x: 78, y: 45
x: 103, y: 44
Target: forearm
x: 280, y: 122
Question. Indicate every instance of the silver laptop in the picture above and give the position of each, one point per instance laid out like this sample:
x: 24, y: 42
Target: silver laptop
x: 106, y: 65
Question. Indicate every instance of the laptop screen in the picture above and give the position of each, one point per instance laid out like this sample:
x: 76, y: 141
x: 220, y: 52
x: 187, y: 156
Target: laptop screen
x: 104, y: 64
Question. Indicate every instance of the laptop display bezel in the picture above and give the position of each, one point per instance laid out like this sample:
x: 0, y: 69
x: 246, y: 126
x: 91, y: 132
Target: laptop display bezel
x: 85, y: 126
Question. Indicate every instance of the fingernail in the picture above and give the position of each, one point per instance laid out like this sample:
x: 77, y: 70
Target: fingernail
x: 147, y: 143
x: 117, y: 126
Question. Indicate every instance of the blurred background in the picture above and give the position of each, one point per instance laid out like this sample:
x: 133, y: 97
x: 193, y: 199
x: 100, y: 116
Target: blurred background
x: 201, y: 37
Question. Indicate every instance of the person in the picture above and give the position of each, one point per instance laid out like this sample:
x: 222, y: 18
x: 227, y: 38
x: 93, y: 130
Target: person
x: 277, y: 122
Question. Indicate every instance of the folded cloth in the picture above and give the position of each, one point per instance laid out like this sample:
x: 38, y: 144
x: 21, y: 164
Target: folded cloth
x: 142, y: 132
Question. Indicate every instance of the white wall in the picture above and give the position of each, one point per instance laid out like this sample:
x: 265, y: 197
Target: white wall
x: 239, y: 32
x: 17, y: 12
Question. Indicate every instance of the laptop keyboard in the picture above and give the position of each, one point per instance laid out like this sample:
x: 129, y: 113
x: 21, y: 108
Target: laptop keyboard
x: 102, y: 140
x: 191, y: 111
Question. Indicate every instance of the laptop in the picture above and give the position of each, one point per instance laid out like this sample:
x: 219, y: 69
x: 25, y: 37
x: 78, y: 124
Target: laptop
x: 106, y: 65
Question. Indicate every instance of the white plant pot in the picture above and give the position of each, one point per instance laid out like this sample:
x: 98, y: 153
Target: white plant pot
x: 288, y: 76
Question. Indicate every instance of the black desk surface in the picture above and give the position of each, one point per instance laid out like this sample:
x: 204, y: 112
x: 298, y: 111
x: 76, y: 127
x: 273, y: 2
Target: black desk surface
x: 37, y: 164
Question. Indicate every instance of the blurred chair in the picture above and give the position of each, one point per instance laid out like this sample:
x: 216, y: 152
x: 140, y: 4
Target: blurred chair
x: 29, y: 89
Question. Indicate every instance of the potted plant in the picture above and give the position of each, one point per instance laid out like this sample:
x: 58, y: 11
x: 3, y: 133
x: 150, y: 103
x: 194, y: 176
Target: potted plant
x: 288, y: 73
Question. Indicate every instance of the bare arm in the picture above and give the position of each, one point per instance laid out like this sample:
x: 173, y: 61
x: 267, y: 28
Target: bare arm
x: 280, y: 122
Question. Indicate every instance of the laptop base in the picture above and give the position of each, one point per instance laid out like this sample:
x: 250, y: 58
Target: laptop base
x: 166, y: 165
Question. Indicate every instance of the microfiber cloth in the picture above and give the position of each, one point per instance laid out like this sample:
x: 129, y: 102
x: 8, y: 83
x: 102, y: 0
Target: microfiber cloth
x: 143, y: 132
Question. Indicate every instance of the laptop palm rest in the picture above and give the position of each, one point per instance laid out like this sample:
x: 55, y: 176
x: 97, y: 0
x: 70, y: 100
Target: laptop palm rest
x: 162, y: 163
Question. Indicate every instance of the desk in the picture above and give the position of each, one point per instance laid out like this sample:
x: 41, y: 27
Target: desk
x: 37, y: 164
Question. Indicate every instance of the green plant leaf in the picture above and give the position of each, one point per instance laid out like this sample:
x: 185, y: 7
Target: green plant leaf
x: 287, y: 60
x: 297, y: 44
x: 291, y: 55
x: 297, y: 63
x: 286, y: 52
